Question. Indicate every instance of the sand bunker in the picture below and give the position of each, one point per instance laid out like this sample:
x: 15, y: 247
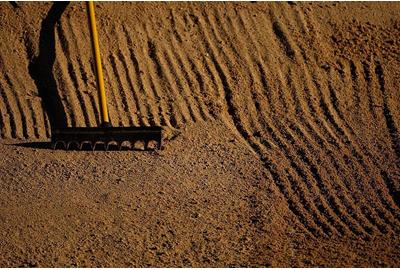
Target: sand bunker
x: 282, y: 143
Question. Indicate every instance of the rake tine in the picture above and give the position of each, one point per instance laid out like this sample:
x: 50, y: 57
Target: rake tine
x: 78, y: 138
x: 98, y: 143
x: 83, y: 143
x: 107, y: 145
x: 120, y: 146
x: 57, y: 142
x: 69, y: 144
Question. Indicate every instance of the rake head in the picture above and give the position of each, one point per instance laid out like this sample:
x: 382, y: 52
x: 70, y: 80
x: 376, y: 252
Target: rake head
x: 80, y: 138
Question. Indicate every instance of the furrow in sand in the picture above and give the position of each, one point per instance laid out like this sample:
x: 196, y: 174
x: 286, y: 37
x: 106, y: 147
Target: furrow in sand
x: 178, y: 81
x: 144, y: 94
x: 13, y: 117
x: 8, y: 126
x: 201, y: 72
x: 300, y: 19
x: 4, y: 130
x: 250, y: 61
x: 68, y: 84
x: 130, y: 104
x: 116, y: 111
x: 383, y: 207
x: 313, y: 95
x: 323, y: 146
x: 83, y: 104
x: 95, y: 106
x: 296, y: 158
x: 333, y: 99
x: 190, y: 85
x: 204, y: 89
x: 331, y: 111
x: 345, y: 132
x: 354, y: 80
x: 217, y: 26
x: 317, y: 207
x: 315, y: 174
x: 331, y: 117
x: 310, y: 29
x: 244, y: 133
x: 174, y: 27
x: 216, y: 56
x: 327, y: 150
x: 171, y: 114
x: 356, y: 222
x: 311, y: 109
x: 282, y: 37
x: 14, y: 101
x: 368, y: 77
x: 294, y: 192
x: 332, y: 200
x: 221, y: 74
x: 335, y: 204
x: 349, y: 138
x: 250, y: 119
x: 194, y: 86
x: 390, y: 124
x: 13, y: 112
x: 215, y: 100
x: 297, y: 205
x: 34, y: 119
x: 27, y: 108
x: 273, y: 78
x: 253, y: 144
x: 217, y: 32
x: 36, y: 109
x: 356, y: 94
x: 298, y: 171
x: 393, y: 190
x: 81, y: 77
x: 142, y: 66
x: 308, y: 136
x: 64, y: 84
x: 389, y: 197
x: 307, y: 94
x: 178, y: 113
x: 140, y: 115
x: 179, y: 108
x: 207, y: 66
x: 360, y: 84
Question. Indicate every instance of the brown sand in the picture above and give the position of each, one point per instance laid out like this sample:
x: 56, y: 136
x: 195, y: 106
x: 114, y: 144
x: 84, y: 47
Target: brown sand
x: 281, y: 143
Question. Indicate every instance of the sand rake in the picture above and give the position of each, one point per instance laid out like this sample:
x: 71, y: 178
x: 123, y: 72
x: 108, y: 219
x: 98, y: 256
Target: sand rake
x: 104, y: 136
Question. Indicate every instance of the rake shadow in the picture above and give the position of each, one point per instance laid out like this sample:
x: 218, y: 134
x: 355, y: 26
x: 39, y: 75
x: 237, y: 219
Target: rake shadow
x: 48, y: 146
x: 41, y: 67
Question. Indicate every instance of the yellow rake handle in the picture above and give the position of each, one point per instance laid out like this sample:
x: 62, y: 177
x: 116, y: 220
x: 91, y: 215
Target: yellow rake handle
x: 99, y: 71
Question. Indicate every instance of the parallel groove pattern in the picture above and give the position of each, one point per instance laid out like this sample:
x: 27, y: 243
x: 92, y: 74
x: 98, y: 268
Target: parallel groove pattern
x: 299, y: 117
